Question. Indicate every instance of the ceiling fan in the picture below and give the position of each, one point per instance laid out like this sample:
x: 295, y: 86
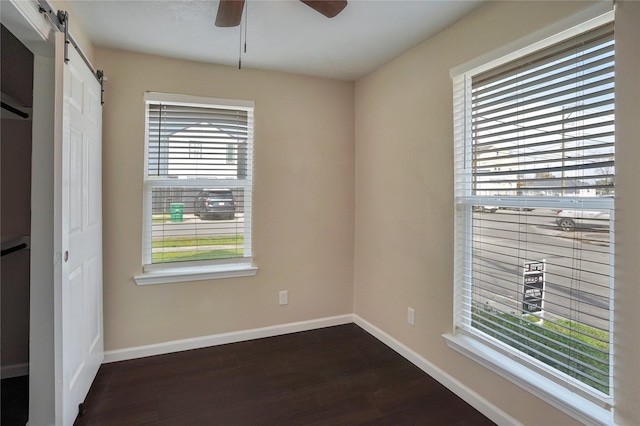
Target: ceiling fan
x: 230, y: 11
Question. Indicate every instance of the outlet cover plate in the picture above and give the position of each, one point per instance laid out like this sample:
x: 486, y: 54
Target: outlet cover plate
x: 283, y: 297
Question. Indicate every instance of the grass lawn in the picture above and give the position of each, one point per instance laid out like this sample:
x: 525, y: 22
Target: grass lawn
x: 160, y: 218
x: 197, y: 242
x: 576, y: 349
x: 183, y: 256
x: 234, y: 248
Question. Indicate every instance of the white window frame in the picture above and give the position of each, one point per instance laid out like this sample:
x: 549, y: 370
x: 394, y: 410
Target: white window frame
x: 539, y: 380
x: 164, y: 273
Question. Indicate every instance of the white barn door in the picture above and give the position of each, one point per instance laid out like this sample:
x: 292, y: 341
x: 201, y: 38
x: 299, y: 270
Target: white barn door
x: 77, y: 232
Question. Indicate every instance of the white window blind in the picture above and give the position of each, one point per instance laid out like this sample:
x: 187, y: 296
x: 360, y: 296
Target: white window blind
x: 534, y: 278
x: 197, y: 202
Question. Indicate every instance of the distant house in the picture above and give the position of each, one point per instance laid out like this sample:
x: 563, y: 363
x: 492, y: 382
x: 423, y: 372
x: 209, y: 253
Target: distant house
x: 555, y: 187
x: 202, y: 151
x: 497, y: 174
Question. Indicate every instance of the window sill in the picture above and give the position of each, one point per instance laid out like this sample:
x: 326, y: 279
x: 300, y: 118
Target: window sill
x: 570, y: 403
x: 196, y: 273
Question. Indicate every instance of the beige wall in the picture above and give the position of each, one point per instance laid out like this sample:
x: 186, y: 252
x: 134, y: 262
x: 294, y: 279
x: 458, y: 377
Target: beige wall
x: 627, y: 291
x: 404, y: 199
x: 303, y: 215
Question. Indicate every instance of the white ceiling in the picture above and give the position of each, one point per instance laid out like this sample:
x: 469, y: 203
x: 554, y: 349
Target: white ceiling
x: 284, y: 35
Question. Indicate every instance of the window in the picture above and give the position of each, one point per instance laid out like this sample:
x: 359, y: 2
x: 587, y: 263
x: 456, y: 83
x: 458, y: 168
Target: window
x: 534, y: 279
x: 195, y: 150
x: 197, y: 206
x: 231, y: 154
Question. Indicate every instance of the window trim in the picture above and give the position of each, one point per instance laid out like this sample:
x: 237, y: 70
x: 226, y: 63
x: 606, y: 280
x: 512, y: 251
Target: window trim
x: 165, y: 273
x: 584, y: 407
x: 503, y: 364
x: 196, y: 273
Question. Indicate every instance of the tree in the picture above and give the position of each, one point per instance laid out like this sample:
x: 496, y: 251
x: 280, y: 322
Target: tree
x: 545, y: 175
x: 606, y: 183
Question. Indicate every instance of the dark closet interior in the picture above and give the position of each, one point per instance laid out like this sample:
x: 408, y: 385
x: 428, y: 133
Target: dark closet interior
x: 15, y: 224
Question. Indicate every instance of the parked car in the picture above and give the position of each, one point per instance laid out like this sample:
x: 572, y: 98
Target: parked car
x: 215, y: 204
x: 491, y: 209
x: 569, y: 220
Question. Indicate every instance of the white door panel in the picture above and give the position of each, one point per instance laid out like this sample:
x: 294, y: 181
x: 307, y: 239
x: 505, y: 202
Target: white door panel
x: 78, y: 235
x: 75, y: 170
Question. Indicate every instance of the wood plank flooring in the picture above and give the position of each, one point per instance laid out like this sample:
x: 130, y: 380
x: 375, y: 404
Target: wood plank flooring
x: 333, y: 376
x: 15, y: 401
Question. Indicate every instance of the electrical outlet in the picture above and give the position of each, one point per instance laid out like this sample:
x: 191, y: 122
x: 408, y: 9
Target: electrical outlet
x: 411, y: 316
x: 283, y: 297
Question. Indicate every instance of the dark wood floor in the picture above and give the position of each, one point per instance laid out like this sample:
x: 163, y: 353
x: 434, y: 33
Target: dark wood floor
x: 333, y: 376
x: 15, y: 401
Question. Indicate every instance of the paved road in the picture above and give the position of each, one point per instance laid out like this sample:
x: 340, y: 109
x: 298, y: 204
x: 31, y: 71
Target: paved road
x: 533, y: 237
x: 192, y: 225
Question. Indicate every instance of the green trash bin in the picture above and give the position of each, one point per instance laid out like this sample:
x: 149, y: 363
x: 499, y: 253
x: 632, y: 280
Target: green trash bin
x: 177, y: 209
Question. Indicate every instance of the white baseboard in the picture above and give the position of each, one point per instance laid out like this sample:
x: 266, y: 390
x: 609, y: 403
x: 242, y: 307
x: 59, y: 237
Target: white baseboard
x: 224, y: 338
x: 14, y: 370
x: 472, y: 398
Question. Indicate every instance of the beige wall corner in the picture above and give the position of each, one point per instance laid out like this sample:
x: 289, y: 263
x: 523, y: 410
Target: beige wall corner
x: 404, y: 156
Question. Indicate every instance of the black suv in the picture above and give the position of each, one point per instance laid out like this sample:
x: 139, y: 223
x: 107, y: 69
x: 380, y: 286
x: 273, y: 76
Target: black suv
x: 215, y: 204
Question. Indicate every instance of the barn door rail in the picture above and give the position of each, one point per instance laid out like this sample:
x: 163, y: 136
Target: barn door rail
x: 60, y: 21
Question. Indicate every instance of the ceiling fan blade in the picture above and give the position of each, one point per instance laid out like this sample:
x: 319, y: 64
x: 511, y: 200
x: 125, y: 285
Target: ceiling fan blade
x: 229, y: 13
x: 328, y: 8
